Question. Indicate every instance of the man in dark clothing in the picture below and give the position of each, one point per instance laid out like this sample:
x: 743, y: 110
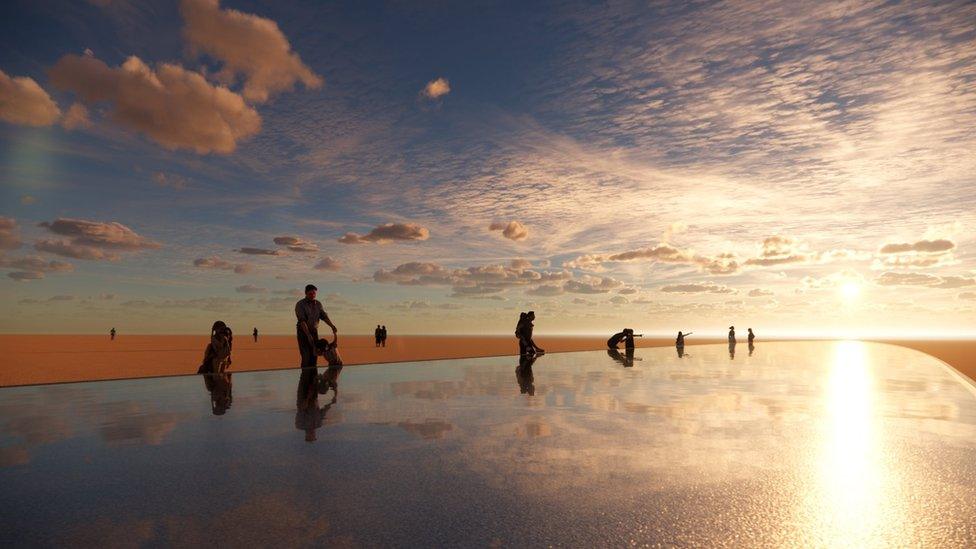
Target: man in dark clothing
x: 383, y: 335
x: 627, y: 336
x: 309, y: 311
x: 255, y: 333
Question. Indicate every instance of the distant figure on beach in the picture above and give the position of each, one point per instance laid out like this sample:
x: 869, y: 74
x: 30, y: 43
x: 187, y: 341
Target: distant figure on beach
x: 731, y: 335
x: 308, y: 415
x: 216, y: 357
x: 377, y: 335
x: 679, y: 343
x: 752, y: 338
x: 111, y: 334
x: 255, y: 334
x: 383, y: 335
x: 523, y: 331
x: 524, y: 375
x: 309, y: 311
x: 627, y: 336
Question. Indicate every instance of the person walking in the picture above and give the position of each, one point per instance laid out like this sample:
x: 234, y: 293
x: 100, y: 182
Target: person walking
x: 309, y: 311
x: 255, y: 334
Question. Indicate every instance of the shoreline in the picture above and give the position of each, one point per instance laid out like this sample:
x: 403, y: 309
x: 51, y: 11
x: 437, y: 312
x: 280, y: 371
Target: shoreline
x: 43, y: 359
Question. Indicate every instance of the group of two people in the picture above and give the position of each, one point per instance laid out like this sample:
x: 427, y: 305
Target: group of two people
x: 379, y: 334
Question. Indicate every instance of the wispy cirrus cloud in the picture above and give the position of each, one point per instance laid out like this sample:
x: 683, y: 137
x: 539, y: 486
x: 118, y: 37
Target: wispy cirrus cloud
x: 215, y: 262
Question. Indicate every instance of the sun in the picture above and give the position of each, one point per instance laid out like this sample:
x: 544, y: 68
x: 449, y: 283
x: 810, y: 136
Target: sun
x: 850, y: 290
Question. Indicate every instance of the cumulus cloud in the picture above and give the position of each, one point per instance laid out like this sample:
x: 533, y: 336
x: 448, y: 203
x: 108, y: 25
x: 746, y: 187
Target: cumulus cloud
x: 388, y: 233
x: 250, y: 47
x: 513, y: 230
x: 9, y: 235
x: 780, y: 250
x: 173, y: 106
x: 923, y: 246
x: 296, y: 244
x: 328, y: 263
x: 32, y: 267
x: 721, y: 264
x: 92, y: 240
x: 520, y: 264
x: 759, y: 292
x: 250, y: 289
x: 923, y: 279
x: 591, y: 285
x: 257, y: 251
x: 215, y: 262
x: 76, y: 117
x: 437, y: 88
x: 695, y: 288
x: 545, y: 290
x: 24, y: 102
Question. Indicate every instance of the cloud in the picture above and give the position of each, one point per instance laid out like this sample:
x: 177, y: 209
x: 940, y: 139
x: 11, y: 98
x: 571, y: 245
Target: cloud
x: 520, y: 264
x: 61, y: 298
x: 721, y: 264
x: 215, y: 262
x: 780, y: 250
x: 328, y: 263
x: 25, y: 275
x: 171, y: 180
x: 76, y: 117
x: 923, y: 279
x: 257, y: 251
x: 24, y: 102
x: 9, y: 235
x: 694, y: 288
x: 32, y: 267
x: 627, y: 291
x: 513, y: 230
x: 968, y: 295
x: 591, y: 285
x: 923, y: 246
x: 296, y: 244
x: 759, y: 292
x: 437, y: 88
x: 27, y: 200
x: 545, y: 290
x: 249, y: 46
x: 388, y: 233
x: 92, y: 240
x: 174, y: 107
x: 250, y: 289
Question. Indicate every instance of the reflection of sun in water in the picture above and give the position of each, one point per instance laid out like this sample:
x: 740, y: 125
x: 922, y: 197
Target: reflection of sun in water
x: 850, y: 290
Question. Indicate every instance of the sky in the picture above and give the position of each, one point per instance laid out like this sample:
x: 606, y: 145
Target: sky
x: 438, y: 167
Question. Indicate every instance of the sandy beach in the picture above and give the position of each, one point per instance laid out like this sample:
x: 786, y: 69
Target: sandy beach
x: 33, y: 359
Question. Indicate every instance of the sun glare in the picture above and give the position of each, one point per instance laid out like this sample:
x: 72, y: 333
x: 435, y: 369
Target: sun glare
x: 850, y: 290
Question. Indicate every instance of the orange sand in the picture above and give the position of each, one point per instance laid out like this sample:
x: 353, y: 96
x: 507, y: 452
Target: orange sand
x: 30, y: 359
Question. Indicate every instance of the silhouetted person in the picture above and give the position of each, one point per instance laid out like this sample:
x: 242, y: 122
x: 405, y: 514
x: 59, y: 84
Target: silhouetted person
x: 377, y: 335
x: 524, y: 375
x: 679, y: 343
x: 627, y: 336
x: 383, y: 335
x: 752, y: 336
x: 523, y: 331
x: 731, y: 335
x: 308, y: 312
x: 216, y: 357
x: 308, y: 415
x: 111, y: 334
x: 255, y: 333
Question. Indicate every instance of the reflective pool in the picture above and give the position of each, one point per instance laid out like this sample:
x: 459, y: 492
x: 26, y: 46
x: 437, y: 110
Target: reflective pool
x: 813, y: 443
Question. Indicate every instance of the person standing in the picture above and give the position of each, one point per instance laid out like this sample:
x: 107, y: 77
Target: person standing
x: 255, y: 334
x: 731, y: 335
x: 377, y: 335
x: 111, y: 334
x: 309, y: 311
x: 383, y: 336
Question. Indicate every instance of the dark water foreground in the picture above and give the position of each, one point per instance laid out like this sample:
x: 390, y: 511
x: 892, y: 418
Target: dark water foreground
x: 813, y: 443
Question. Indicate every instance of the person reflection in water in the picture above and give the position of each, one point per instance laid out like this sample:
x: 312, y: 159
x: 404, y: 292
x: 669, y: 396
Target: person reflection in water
x: 524, y: 375
x: 221, y: 387
x: 627, y: 359
x: 330, y: 379
x: 732, y: 349
x: 308, y: 415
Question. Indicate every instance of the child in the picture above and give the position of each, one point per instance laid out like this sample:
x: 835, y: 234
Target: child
x: 330, y: 379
